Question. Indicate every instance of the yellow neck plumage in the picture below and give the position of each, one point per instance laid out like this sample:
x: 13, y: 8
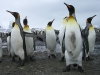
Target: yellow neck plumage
x: 91, y: 27
x: 26, y: 27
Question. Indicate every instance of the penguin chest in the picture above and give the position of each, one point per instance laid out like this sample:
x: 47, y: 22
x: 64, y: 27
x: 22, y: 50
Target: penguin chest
x: 16, y: 39
x: 29, y: 44
x: 91, y: 39
x: 73, y: 39
x: 51, y: 39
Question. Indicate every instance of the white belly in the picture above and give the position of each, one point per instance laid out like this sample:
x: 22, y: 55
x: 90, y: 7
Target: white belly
x: 73, y: 48
x: 29, y: 45
x: 72, y: 60
x: 17, y: 43
x: 51, y: 39
x: 91, y: 40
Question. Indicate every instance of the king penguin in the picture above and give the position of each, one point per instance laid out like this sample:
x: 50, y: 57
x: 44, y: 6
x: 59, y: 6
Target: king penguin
x: 17, y: 39
x: 73, y: 41
x: 89, y: 37
x: 29, y: 40
x: 9, y: 42
x: 50, y: 39
x: 11, y: 51
x: 0, y: 49
x: 62, y: 37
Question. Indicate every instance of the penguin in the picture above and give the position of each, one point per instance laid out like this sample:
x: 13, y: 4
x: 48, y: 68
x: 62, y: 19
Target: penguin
x: 73, y: 41
x: 89, y: 37
x: 11, y: 51
x: 0, y: 50
x: 17, y: 44
x: 50, y: 39
x: 9, y: 42
x: 29, y: 40
x: 62, y: 36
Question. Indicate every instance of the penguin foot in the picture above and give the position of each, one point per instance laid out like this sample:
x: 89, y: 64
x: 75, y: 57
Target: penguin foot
x: 75, y: 65
x: 10, y: 55
x: 13, y: 59
x: 62, y: 59
x: 32, y: 59
x: 49, y: 57
x: 80, y: 69
x: 53, y: 55
x: 88, y: 58
x: 0, y: 61
x: 83, y: 58
x: 22, y: 62
x: 67, y: 69
x: 26, y: 59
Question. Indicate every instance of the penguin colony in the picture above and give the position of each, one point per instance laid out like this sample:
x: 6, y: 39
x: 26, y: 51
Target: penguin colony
x: 70, y: 37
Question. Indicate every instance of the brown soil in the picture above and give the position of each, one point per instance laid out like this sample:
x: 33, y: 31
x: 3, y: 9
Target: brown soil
x: 44, y: 66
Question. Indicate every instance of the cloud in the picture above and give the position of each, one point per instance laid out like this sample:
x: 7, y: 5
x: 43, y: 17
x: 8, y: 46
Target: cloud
x: 40, y: 12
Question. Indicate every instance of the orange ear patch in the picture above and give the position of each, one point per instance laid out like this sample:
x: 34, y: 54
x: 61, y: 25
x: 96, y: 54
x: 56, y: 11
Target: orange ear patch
x: 86, y: 21
x: 18, y: 16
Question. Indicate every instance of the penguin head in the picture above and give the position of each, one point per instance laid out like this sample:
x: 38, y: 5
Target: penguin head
x: 50, y: 23
x: 15, y: 14
x: 25, y: 21
x: 90, y: 19
x: 13, y: 24
x: 71, y: 9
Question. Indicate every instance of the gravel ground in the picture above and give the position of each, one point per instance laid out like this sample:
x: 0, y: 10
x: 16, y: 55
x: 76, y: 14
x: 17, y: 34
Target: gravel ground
x: 44, y: 66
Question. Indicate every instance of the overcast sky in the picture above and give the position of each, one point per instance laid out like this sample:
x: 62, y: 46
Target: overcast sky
x: 40, y: 12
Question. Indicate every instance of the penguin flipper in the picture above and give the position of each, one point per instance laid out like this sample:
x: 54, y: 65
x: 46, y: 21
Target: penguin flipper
x: 34, y: 44
x: 57, y: 39
x: 86, y: 44
x: 33, y: 35
x: 63, y: 42
x: 83, y: 36
x: 86, y: 39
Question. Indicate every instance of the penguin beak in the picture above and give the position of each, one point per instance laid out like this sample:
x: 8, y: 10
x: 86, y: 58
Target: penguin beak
x: 10, y: 12
x: 26, y: 17
x: 67, y: 5
x: 93, y: 16
x: 52, y: 20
